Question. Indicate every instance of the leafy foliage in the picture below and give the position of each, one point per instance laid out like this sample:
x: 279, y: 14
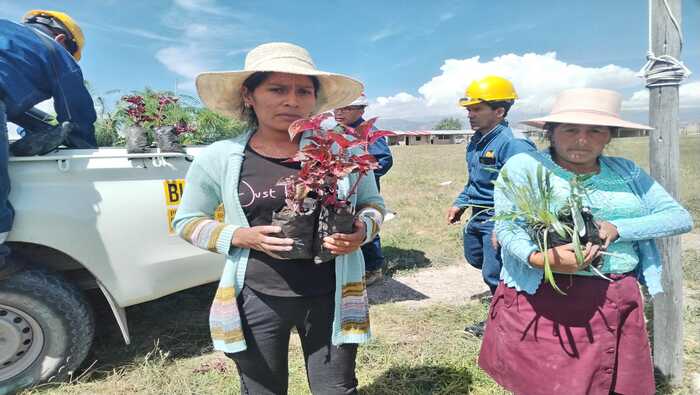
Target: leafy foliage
x: 211, y: 127
x: 148, y: 108
x: 449, y: 124
x: 535, y: 206
x: 151, y: 109
x: 335, y: 151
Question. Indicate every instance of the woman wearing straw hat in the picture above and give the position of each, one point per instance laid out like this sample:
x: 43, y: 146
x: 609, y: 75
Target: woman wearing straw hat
x: 594, y: 339
x: 260, y: 299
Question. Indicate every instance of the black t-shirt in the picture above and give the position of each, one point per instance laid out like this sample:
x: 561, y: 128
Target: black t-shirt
x: 260, y: 195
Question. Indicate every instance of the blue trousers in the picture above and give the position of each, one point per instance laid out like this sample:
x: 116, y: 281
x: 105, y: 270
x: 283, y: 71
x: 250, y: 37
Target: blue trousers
x: 372, y: 252
x: 480, y: 253
x: 6, y: 211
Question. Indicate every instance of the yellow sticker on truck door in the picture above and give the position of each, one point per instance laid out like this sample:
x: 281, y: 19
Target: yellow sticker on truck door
x: 173, y: 194
x: 173, y: 190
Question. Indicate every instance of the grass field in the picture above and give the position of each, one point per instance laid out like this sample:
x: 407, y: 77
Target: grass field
x: 418, y: 350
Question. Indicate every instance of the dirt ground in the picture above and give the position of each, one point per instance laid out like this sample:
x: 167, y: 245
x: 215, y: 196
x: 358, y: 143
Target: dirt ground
x: 454, y: 284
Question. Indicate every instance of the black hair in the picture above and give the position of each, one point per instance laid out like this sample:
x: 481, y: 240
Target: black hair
x: 69, y: 43
x: 504, y: 104
x: 251, y: 83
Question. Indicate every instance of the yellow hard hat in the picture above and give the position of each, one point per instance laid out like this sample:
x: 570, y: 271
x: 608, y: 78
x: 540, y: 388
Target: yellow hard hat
x: 489, y: 88
x: 60, y: 20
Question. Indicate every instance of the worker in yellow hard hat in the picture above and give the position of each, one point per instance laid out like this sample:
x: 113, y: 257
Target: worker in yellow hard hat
x: 37, y: 62
x: 487, y: 101
x: 61, y: 26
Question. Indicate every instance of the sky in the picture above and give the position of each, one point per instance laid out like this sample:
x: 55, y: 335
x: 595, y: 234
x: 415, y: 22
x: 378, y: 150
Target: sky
x: 415, y: 57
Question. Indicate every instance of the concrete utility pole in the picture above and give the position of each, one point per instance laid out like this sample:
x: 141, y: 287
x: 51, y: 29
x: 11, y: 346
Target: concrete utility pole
x: 664, y: 163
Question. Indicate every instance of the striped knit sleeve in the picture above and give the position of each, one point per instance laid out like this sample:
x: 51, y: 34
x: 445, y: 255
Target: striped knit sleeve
x: 194, y: 220
x: 512, y: 235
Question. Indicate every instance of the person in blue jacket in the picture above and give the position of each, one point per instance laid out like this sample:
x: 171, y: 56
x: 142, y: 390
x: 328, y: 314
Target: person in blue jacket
x: 487, y: 102
x: 351, y: 115
x: 38, y: 61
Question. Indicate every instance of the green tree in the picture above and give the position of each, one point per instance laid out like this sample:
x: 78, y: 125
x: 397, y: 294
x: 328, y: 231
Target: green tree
x: 211, y: 127
x: 449, y: 124
x: 203, y: 125
x: 107, y: 122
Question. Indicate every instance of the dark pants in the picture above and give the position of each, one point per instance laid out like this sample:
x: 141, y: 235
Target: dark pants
x: 6, y: 212
x: 479, y: 251
x: 372, y: 252
x: 267, y: 322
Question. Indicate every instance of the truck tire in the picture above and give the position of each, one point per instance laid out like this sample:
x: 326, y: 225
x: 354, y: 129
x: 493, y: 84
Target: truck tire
x: 46, y: 329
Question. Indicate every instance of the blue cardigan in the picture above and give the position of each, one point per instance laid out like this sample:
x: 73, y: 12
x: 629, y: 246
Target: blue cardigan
x: 665, y: 217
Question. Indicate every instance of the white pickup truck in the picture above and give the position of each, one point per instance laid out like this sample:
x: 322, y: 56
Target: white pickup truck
x: 88, y: 219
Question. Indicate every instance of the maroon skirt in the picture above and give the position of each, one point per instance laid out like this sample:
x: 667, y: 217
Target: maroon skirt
x: 591, y: 341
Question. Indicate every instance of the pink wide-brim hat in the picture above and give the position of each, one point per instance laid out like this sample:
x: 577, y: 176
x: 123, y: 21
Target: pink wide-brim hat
x: 587, y: 106
x: 220, y: 91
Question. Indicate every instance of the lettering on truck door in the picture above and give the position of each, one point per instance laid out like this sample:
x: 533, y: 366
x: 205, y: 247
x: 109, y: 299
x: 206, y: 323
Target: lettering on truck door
x: 173, y: 190
x: 173, y: 194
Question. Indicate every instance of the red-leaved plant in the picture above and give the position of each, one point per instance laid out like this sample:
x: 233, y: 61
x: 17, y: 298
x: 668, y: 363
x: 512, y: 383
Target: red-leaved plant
x: 153, y: 109
x: 335, y: 151
x: 313, y: 209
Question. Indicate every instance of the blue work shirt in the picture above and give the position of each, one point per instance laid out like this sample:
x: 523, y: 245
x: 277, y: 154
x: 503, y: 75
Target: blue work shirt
x: 486, y: 154
x: 27, y: 78
x: 380, y: 150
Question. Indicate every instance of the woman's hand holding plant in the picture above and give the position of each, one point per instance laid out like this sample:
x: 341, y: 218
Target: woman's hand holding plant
x: 608, y: 233
x: 258, y: 238
x: 562, y: 259
x: 341, y: 244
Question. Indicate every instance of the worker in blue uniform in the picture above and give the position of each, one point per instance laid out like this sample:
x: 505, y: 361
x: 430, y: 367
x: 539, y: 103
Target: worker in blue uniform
x: 487, y: 102
x: 351, y: 115
x: 38, y: 61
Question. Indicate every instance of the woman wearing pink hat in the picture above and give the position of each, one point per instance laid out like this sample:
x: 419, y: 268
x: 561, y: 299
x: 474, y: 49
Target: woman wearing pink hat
x: 592, y: 340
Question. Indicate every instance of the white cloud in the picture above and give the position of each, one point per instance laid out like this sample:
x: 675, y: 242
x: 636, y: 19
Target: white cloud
x: 447, y: 16
x: 401, y: 105
x: 537, y: 79
x: 211, y: 8
x: 186, y: 62
x: 207, y: 32
x: 384, y: 33
x: 204, y: 6
x: 689, y: 96
x: 197, y: 30
x: 131, y: 31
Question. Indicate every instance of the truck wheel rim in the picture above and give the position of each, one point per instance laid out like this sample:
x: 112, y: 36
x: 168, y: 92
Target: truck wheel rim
x: 21, y: 341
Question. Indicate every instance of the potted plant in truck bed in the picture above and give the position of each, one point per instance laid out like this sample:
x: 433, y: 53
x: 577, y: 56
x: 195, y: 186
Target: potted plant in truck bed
x: 313, y: 208
x: 534, y: 206
x: 157, y: 113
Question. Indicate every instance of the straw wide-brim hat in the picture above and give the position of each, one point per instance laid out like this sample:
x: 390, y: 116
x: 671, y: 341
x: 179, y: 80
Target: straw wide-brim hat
x: 587, y: 106
x: 220, y: 91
